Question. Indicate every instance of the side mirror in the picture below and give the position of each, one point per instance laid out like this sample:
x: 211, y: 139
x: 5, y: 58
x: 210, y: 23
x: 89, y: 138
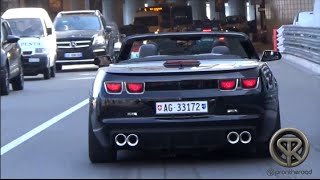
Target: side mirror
x: 12, y: 39
x: 270, y: 55
x: 49, y: 31
x: 102, y: 61
x: 108, y: 29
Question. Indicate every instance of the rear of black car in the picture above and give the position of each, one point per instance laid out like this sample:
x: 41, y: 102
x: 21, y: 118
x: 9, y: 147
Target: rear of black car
x: 183, y: 97
x: 145, y: 117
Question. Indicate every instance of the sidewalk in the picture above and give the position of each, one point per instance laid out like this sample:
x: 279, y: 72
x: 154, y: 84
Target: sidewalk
x: 315, y: 68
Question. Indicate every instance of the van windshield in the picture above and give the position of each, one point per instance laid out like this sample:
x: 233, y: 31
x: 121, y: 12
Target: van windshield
x: 76, y: 22
x: 26, y: 27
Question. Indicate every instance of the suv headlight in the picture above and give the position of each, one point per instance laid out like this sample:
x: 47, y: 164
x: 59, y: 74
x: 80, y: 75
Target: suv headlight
x: 98, y: 40
x: 41, y: 51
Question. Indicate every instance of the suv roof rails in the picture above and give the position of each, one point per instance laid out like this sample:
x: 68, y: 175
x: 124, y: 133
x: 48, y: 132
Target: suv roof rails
x: 93, y: 12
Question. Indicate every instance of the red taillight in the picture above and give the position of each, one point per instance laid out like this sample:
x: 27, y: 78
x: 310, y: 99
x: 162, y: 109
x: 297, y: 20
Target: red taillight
x: 228, y: 84
x: 221, y: 38
x: 207, y: 30
x: 135, y: 87
x: 249, y: 83
x: 113, y: 87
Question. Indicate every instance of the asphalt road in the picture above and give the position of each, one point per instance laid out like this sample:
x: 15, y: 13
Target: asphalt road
x: 59, y: 148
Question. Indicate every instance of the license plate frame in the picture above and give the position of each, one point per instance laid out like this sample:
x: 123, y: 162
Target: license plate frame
x: 73, y: 55
x: 181, y: 107
x: 34, y: 60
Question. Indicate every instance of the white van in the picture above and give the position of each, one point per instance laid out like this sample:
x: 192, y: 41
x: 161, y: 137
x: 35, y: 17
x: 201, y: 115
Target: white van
x: 304, y: 19
x: 37, y: 39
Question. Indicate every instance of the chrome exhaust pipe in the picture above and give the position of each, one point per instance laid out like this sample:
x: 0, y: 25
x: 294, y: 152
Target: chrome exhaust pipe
x: 233, y: 137
x: 120, y: 139
x: 245, y: 137
x: 132, y: 140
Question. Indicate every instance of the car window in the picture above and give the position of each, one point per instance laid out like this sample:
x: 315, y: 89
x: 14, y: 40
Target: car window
x: 169, y: 46
x: 76, y: 22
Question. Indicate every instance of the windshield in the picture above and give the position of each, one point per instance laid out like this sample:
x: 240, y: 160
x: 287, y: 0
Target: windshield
x: 147, y: 21
x: 227, y: 46
x: 26, y: 27
x: 77, y: 22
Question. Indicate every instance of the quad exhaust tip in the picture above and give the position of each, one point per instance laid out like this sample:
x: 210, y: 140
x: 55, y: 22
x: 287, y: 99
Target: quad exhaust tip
x: 120, y: 139
x: 132, y: 140
x: 245, y: 137
x: 233, y: 137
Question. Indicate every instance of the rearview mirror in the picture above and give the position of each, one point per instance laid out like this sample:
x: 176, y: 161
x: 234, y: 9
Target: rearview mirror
x: 12, y: 39
x: 270, y: 55
x: 102, y: 61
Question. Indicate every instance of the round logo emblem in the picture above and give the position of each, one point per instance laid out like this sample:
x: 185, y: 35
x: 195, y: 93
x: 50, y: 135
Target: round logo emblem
x: 289, y: 147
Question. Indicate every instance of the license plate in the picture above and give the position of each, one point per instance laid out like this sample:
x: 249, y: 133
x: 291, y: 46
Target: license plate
x: 32, y: 60
x: 73, y: 55
x: 185, y: 107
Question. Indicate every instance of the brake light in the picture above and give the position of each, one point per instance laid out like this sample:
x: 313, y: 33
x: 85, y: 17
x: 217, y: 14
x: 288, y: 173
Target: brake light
x: 135, y: 87
x: 221, y: 38
x: 249, y: 83
x: 113, y: 88
x: 206, y: 30
x: 228, y: 84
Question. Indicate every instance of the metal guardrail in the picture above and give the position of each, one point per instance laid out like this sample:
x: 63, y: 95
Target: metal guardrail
x: 300, y: 41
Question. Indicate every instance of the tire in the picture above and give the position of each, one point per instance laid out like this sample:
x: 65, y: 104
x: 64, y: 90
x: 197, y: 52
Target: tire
x: 58, y: 67
x: 5, y: 83
x: 53, y: 70
x: 97, y: 153
x: 262, y: 149
x: 18, y: 82
x: 47, y: 73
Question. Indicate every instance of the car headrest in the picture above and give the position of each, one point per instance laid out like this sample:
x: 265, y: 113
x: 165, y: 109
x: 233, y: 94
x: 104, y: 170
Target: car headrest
x: 221, y: 50
x: 148, y: 50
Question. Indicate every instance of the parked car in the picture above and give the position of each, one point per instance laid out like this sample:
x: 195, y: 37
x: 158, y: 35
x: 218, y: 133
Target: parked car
x: 81, y: 35
x: 11, y: 70
x: 181, y: 91
x: 37, y: 40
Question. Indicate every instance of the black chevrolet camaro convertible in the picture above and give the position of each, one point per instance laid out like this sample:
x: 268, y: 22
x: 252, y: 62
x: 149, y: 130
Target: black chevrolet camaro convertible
x: 192, y: 90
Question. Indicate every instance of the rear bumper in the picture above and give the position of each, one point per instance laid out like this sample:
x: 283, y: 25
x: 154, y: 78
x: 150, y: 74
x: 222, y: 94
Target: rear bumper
x: 206, y: 132
x: 35, y: 68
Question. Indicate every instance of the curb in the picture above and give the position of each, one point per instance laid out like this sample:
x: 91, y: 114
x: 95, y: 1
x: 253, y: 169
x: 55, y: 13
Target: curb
x: 315, y: 68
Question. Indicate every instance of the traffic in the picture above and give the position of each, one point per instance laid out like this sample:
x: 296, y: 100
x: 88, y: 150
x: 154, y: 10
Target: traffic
x: 165, y: 96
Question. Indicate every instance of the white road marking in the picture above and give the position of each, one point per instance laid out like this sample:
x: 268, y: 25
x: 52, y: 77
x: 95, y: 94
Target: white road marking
x: 41, y: 127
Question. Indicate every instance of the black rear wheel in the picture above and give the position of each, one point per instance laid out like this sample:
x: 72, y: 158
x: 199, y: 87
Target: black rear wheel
x: 97, y: 153
x: 18, y: 82
x: 4, y: 83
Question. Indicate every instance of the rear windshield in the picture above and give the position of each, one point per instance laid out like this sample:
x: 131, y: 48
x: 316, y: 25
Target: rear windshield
x: 76, y: 22
x: 184, y: 46
x: 26, y: 27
